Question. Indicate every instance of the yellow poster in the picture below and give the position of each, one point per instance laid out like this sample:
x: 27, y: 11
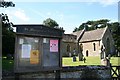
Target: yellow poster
x: 34, y: 57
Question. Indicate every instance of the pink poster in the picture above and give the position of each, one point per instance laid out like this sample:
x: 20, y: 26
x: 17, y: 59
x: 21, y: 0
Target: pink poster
x: 53, y: 45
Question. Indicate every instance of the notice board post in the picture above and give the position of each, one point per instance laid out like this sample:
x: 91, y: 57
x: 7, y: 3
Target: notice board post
x: 37, y: 48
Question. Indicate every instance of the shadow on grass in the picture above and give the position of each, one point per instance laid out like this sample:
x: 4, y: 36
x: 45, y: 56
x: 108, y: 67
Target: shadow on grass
x: 7, y: 67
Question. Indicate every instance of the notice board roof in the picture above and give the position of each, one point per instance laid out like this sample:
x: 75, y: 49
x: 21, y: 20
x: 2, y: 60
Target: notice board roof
x: 38, y: 30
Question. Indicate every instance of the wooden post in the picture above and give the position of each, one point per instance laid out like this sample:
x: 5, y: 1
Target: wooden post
x: 57, y: 75
x: 17, y: 76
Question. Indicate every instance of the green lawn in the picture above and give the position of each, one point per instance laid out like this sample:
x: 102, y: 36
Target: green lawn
x: 7, y: 64
x: 68, y: 61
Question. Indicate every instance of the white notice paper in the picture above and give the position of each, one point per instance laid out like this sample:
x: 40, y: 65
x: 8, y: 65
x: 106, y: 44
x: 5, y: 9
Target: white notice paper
x: 21, y: 41
x: 44, y: 40
x: 26, y: 48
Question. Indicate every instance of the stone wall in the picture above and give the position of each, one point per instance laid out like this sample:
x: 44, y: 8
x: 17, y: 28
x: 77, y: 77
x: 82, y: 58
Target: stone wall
x: 72, y: 45
x: 108, y: 35
x: 75, y: 73
x: 87, y: 72
x: 68, y: 39
x: 89, y: 46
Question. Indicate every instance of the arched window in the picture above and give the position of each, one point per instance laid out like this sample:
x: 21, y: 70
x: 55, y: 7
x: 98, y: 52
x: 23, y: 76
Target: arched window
x: 94, y: 46
x: 87, y: 53
x: 68, y: 48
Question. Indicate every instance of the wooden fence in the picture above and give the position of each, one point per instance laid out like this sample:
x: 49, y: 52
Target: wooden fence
x: 115, y: 72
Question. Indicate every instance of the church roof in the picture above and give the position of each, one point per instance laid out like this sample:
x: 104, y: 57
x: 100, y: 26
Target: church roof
x: 77, y: 33
x: 69, y: 38
x: 93, y: 35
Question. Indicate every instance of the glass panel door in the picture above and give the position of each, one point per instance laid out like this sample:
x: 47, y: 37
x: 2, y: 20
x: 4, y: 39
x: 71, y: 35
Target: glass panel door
x: 29, y: 53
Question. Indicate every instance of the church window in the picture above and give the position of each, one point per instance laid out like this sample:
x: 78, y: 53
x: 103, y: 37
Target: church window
x: 94, y: 46
x: 68, y: 48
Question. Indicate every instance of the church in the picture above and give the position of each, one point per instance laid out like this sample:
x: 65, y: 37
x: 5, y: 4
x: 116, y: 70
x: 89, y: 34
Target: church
x: 89, y: 43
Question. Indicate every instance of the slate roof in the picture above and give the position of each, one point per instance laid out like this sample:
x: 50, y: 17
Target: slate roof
x: 90, y: 35
x: 93, y: 35
x: 69, y: 38
x: 77, y: 33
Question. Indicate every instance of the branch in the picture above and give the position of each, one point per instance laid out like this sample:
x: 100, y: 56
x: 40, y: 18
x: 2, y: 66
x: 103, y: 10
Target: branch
x: 6, y: 4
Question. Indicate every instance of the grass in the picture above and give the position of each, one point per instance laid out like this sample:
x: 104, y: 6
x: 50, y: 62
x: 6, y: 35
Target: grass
x: 115, y: 61
x: 68, y: 61
x: 7, y: 64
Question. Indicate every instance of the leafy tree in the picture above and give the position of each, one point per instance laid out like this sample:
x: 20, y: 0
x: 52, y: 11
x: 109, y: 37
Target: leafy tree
x: 92, y: 25
x: 76, y: 29
x: 115, y: 29
x: 6, y: 4
x: 8, y: 36
x: 51, y: 23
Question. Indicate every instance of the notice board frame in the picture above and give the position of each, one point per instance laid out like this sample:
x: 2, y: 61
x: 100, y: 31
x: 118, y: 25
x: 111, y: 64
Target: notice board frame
x: 18, y: 69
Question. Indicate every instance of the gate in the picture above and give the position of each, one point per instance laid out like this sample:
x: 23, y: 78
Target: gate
x: 115, y: 72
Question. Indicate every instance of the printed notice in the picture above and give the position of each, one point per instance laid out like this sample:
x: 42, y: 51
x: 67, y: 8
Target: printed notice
x: 53, y: 45
x: 26, y: 48
x: 21, y: 41
x: 36, y: 41
x: 34, y: 57
x: 45, y: 40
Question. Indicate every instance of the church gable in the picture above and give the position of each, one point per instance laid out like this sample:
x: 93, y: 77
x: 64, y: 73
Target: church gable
x: 108, y: 42
x: 93, y: 35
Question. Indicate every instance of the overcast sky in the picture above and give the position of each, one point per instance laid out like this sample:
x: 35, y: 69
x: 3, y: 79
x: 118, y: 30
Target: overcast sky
x: 67, y: 13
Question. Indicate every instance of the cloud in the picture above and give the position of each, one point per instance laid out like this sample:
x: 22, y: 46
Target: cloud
x: 103, y: 2
x: 16, y: 14
x: 108, y: 2
x: 44, y: 15
x: 65, y: 0
x: 21, y: 15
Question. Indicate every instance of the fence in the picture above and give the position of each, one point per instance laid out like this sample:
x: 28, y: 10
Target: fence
x: 115, y: 72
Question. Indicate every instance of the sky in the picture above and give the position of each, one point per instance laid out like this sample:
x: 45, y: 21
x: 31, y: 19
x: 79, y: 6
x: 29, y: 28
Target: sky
x: 67, y: 13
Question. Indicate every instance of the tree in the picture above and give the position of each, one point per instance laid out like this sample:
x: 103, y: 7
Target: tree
x: 76, y: 29
x: 8, y: 36
x: 115, y: 29
x: 51, y: 23
x: 6, y: 4
x: 92, y: 25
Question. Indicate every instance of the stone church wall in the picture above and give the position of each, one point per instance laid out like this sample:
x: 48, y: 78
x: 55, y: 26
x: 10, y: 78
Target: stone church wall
x: 89, y: 46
